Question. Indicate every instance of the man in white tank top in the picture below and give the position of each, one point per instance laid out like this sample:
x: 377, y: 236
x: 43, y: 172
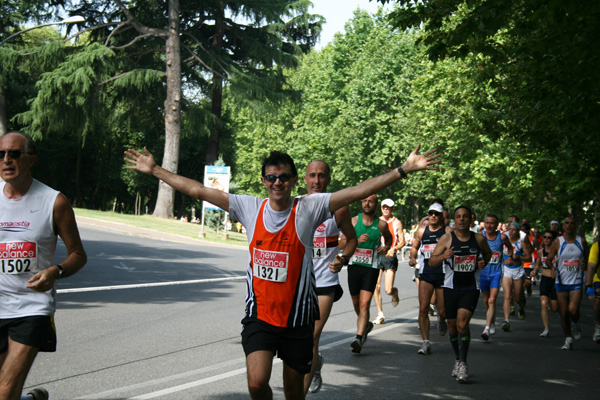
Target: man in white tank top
x: 326, y: 262
x: 31, y: 216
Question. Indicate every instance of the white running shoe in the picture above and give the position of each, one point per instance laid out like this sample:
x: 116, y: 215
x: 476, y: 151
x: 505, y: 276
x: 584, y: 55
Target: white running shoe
x: 493, y: 329
x: 455, y: 369
x: 317, y: 380
x: 546, y: 333
x: 463, y: 372
x: 486, y: 334
x: 596, y: 336
x: 568, y: 344
x: 425, y: 349
x: 380, y: 320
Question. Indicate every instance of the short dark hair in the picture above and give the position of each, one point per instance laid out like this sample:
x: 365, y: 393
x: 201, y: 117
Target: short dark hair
x: 490, y: 215
x: 465, y: 207
x: 30, y: 147
x: 526, y: 225
x: 277, y: 158
x: 551, y: 232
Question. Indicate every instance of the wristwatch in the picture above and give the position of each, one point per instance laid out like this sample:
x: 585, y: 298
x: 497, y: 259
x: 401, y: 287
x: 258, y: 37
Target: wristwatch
x: 61, y: 271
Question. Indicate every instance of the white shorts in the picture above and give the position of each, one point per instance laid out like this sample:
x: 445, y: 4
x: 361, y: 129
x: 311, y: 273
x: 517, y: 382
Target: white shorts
x: 514, y: 273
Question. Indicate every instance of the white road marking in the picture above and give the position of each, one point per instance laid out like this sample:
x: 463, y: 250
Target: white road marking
x: 147, y: 285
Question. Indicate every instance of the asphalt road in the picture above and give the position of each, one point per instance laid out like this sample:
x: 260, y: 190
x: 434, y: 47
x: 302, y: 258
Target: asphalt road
x: 155, y: 319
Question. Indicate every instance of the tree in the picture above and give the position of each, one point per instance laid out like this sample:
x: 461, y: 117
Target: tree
x: 540, y: 60
x: 246, y: 54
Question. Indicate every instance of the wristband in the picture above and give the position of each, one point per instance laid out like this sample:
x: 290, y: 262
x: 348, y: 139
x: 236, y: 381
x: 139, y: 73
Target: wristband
x: 402, y: 173
x: 346, y: 259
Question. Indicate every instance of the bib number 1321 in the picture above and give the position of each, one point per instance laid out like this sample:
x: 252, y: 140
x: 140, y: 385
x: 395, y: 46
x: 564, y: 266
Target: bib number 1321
x: 270, y: 265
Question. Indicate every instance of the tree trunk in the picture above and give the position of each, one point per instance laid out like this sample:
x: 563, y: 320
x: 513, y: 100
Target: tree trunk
x: 212, y: 146
x: 166, y: 194
x: 3, y: 118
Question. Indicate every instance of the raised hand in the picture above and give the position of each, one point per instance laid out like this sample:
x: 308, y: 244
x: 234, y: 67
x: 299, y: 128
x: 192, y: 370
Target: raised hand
x: 143, y: 163
x: 417, y: 162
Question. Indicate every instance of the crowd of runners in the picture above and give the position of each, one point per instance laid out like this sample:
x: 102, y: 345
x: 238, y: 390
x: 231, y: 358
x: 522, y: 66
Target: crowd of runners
x: 297, y: 246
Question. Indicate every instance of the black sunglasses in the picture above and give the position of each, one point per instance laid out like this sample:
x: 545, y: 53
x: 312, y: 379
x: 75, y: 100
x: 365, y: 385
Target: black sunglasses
x: 434, y: 213
x: 547, y: 237
x: 282, y: 177
x: 14, y: 154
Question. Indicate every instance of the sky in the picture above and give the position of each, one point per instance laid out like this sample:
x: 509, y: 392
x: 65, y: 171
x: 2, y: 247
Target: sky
x: 337, y: 13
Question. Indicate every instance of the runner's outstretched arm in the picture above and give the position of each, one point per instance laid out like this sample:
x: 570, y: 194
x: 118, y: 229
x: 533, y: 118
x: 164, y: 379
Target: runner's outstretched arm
x: 145, y: 163
x: 415, y: 162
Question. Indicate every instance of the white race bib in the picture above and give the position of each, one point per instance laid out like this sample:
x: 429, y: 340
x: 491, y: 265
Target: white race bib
x: 270, y: 265
x: 363, y: 256
x: 18, y: 258
x: 428, y: 250
x: 571, y: 265
x: 495, y: 257
x: 319, y: 247
x: 465, y: 263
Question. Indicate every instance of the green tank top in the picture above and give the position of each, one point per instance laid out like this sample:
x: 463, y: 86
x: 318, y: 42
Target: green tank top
x: 365, y: 253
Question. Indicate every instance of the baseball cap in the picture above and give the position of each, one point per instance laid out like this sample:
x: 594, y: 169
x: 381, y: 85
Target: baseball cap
x: 436, y: 207
x: 388, y: 202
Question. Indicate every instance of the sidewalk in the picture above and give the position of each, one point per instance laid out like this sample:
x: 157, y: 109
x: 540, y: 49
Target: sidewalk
x: 131, y: 230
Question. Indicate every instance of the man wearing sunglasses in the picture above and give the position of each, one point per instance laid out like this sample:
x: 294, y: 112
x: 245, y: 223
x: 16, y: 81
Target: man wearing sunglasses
x: 431, y: 279
x: 31, y: 216
x: 327, y: 262
x: 281, y: 299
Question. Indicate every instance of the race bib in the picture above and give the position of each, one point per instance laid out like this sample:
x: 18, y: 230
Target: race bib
x: 428, y: 250
x: 465, y: 263
x: 18, y: 258
x: 571, y: 265
x: 270, y: 265
x: 363, y: 256
x: 495, y: 257
x: 319, y: 247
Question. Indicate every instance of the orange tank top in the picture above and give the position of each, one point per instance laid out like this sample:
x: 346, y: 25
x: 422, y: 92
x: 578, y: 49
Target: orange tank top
x: 276, y: 264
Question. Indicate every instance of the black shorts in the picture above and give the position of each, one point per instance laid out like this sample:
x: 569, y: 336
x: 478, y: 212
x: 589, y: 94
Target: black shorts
x: 362, y: 278
x: 388, y: 263
x: 437, y: 280
x: 547, y: 288
x: 35, y: 331
x: 528, y: 272
x: 337, y: 291
x: 293, y: 345
x: 455, y: 299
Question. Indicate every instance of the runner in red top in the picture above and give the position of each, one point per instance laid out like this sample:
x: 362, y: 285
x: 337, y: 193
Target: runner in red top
x: 262, y: 340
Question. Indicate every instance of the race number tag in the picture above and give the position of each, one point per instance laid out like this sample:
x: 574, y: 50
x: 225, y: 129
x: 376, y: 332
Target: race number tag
x: 571, y: 265
x: 428, y: 250
x: 363, y: 256
x: 319, y: 247
x: 18, y: 258
x: 465, y: 263
x: 495, y: 257
x: 270, y: 265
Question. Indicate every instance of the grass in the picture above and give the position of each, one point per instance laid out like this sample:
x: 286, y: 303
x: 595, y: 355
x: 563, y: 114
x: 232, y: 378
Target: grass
x: 164, y: 225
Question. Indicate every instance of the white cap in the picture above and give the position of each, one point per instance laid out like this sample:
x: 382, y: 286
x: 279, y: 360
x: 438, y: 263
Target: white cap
x: 436, y: 207
x: 388, y: 202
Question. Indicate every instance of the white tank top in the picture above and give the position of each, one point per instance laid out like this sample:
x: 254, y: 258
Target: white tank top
x: 28, y: 242
x: 569, y: 262
x: 325, y: 247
